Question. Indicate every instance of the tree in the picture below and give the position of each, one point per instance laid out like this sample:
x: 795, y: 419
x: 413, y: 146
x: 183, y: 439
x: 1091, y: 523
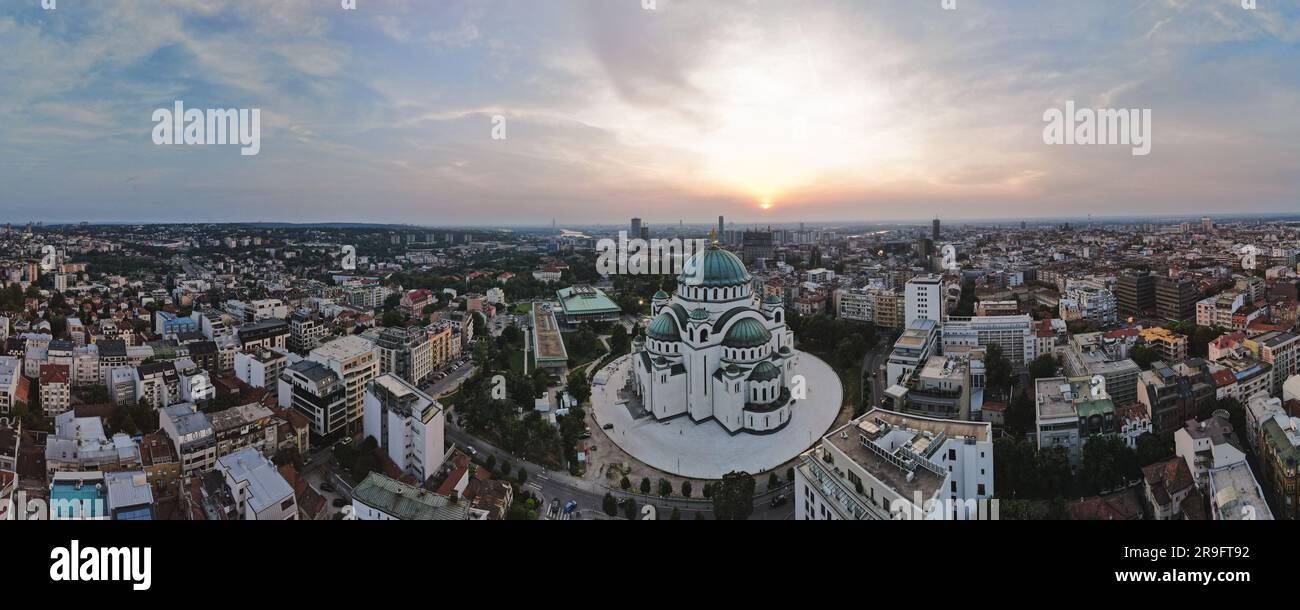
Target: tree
x: 579, y: 388
x: 687, y: 488
x: 624, y: 483
x: 997, y: 368
x: 1143, y: 356
x: 1150, y: 449
x: 1042, y: 366
x: 610, y: 504
x: 1107, y: 464
x: 665, y: 488
x: 523, y: 476
x: 630, y: 509
x: 645, y: 485
x: 97, y: 395
x: 773, y: 481
x: 619, y: 340
x: 1020, y: 414
x: 393, y: 319
x: 676, y: 515
x: 733, y: 500
x: 287, y: 456
x: 789, y: 475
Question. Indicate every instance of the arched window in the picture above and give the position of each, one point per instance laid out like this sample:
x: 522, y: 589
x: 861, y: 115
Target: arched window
x: 704, y: 335
x: 778, y: 317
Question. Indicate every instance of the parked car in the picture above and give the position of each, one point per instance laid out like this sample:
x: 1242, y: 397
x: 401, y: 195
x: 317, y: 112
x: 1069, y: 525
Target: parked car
x: 339, y: 503
x: 570, y: 506
x: 607, y: 427
x: 471, y: 451
x: 778, y: 501
x: 327, y: 486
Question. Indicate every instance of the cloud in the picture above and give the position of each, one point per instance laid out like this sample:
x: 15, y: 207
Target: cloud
x: 835, y: 108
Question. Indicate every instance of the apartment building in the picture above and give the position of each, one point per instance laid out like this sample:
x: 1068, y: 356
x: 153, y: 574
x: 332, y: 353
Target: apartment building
x: 1172, y: 397
x: 911, y: 351
x: 1171, y: 345
x: 1207, y: 445
x: 1014, y: 334
x: 79, y: 444
x: 1069, y: 411
x: 924, y: 299
x: 55, y: 389
x: 243, y: 426
x: 1105, y: 354
x: 1135, y: 294
x: 257, y: 489
x: 1280, y: 350
x: 886, y: 465
x: 260, y: 367
x: 192, y: 436
x: 13, y: 386
x: 305, y: 332
x: 1279, y: 460
x: 407, y: 423
x: 405, y: 352
x: 1176, y: 298
x: 353, y: 359
x: 319, y: 394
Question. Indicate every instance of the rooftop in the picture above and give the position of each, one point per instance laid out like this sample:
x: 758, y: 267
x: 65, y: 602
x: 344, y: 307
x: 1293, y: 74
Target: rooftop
x: 126, y: 490
x: 579, y: 300
x: 407, y: 502
x: 895, y: 448
x: 266, y: 487
x: 343, y: 348
x: 1236, y: 496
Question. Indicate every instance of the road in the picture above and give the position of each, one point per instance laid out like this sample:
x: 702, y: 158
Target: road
x: 875, y: 359
x: 590, y: 496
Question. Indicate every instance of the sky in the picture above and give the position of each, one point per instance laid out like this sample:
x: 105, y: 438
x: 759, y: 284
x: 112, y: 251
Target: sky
x: 760, y: 110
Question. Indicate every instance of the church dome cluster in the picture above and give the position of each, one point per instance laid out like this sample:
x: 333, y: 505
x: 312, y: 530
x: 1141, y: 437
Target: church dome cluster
x: 716, y: 351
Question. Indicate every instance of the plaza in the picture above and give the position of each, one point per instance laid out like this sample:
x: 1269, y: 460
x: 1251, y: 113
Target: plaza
x: 706, y: 450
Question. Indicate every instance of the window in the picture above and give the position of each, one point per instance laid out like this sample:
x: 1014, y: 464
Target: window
x: 980, y: 489
x: 952, y: 454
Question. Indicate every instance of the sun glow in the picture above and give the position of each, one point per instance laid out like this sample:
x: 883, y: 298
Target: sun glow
x: 775, y: 118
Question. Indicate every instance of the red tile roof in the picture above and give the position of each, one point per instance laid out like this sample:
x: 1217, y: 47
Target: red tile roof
x: 54, y: 373
x: 1223, y: 378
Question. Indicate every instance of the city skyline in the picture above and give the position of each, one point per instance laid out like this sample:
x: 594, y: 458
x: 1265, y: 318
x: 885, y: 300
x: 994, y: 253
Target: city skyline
x: 825, y: 112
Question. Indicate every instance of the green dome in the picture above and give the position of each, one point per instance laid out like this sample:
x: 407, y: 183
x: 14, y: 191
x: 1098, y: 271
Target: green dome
x: 700, y: 314
x: 664, y: 328
x: 748, y: 332
x: 661, y: 295
x: 773, y: 299
x: 713, y: 268
x: 765, y: 371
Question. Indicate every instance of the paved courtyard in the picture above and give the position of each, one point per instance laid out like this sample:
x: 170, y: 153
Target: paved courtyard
x: 706, y: 450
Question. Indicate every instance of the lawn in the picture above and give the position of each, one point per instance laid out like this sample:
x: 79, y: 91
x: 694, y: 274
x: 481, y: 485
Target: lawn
x: 578, y: 358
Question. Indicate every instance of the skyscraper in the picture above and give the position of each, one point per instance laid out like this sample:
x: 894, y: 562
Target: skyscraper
x: 935, y: 235
x: 636, y: 229
x: 720, y: 227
